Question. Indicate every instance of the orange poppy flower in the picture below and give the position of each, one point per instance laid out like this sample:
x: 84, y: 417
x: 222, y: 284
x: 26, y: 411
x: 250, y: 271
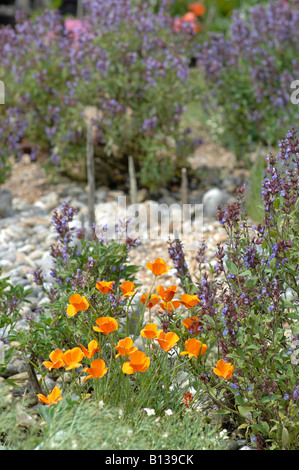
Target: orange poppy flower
x: 149, y: 331
x: 128, y: 288
x: 76, y: 303
x: 106, y: 325
x: 125, y: 347
x: 72, y: 358
x: 169, y: 306
x: 189, y: 301
x: 92, y: 349
x: 158, y: 267
x: 197, y: 8
x: 139, y: 362
x: 168, y: 294
x: 167, y: 340
x: 194, y: 347
x: 188, y: 397
x: 224, y: 369
x: 177, y: 24
x: 56, y: 358
x: 189, y: 17
x: 97, y: 370
x: 192, y: 20
x: 52, y: 399
x: 149, y: 301
x: 104, y: 286
x: 193, y: 324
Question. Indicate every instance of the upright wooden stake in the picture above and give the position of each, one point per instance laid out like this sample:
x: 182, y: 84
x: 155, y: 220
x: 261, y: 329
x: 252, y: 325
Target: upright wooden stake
x: 90, y: 174
x: 184, y: 187
x: 133, y: 182
x: 79, y: 9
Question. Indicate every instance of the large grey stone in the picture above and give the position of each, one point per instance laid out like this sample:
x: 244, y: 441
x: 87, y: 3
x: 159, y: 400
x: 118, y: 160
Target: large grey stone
x: 213, y: 198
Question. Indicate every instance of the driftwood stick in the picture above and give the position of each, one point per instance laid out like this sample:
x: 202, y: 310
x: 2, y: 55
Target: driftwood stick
x: 90, y: 174
x: 133, y: 182
x: 184, y: 187
x: 79, y: 9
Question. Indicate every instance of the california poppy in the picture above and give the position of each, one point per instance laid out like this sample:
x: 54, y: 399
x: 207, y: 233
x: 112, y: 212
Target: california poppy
x: 97, y: 369
x: 169, y: 306
x: 167, y: 340
x: 188, y: 397
x: 191, y: 19
x: 125, y: 347
x: 149, y: 301
x: 158, y: 267
x: 52, y: 399
x: 76, y: 303
x: 138, y: 362
x: 197, y: 8
x: 72, y: 358
x: 92, y: 349
x: 56, y: 360
x: 193, y: 324
x: 149, y: 331
x: 104, y: 286
x: 128, y: 288
x: 224, y: 369
x: 177, y: 24
x: 168, y: 294
x: 106, y: 325
x: 194, y: 347
x: 189, y: 301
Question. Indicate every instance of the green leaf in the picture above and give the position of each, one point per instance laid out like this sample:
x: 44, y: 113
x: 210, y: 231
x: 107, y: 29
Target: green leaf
x: 261, y: 428
x: 285, y: 437
x: 246, y: 412
x: 231, y: 267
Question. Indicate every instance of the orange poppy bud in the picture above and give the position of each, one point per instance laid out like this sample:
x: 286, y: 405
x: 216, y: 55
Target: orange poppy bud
x: 104, y: 286
x: 106, y: 325
x: 194, y: 347
x: 167, y: 340
x: 224, y: 369
x: 52, y: 399
x: 149, y: 331
x: 158, y: 267
x: 139, y: 362
x: 76, y: 303
x: 189, y: 301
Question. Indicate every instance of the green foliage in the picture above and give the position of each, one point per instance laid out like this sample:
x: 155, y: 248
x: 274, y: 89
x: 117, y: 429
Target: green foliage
x: 12, y: 299
x: 91, y: 425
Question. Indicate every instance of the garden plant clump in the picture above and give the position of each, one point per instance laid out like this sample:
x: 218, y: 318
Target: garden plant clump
x: 123, y: 66
x: 224, y: 343
x: 248, y: 73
